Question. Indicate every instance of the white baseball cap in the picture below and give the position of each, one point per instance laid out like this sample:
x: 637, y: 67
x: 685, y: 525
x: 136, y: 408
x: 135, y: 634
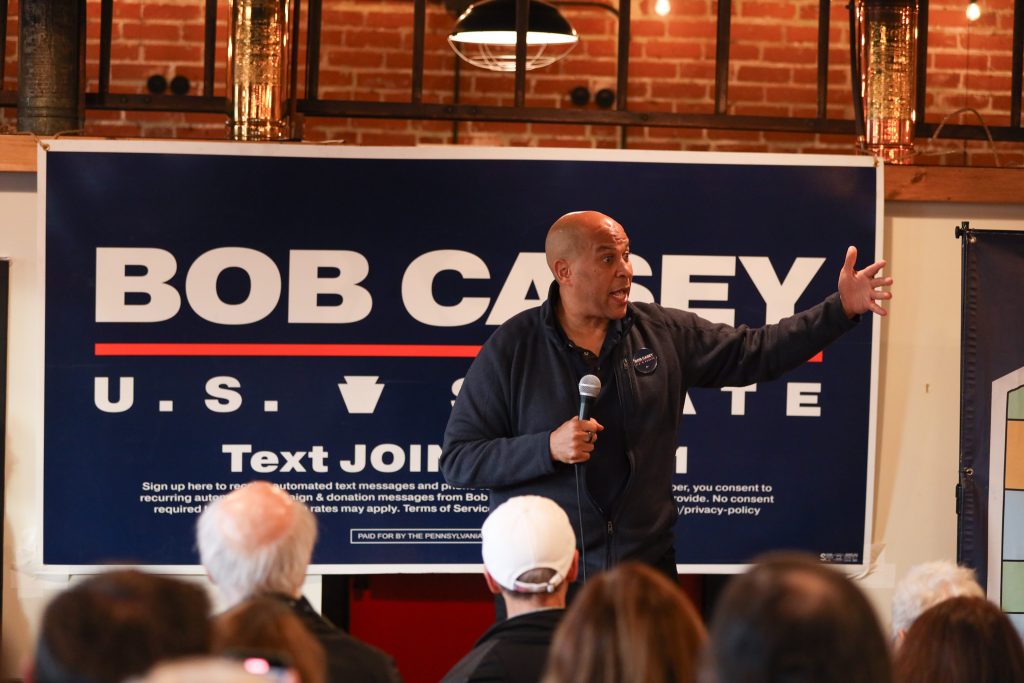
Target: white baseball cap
x: 526, y: 533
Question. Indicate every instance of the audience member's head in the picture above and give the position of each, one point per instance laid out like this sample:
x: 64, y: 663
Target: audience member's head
x: 792, y: 619
x: 627, y: 625
x: 529, y: 552
x: 256, y: 540
x: 928, y: 584
x: 117, y: 625
x: 203, y: 670
x: 269, y: 627
x: 961, y: 640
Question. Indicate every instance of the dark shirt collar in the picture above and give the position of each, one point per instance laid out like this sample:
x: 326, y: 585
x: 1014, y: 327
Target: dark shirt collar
x: 616, y: 328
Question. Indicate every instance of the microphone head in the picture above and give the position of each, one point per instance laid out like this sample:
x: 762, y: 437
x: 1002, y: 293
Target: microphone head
x: 590, y: 386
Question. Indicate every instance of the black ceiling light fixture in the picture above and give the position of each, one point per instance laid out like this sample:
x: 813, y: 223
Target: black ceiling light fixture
x: 485, y: 35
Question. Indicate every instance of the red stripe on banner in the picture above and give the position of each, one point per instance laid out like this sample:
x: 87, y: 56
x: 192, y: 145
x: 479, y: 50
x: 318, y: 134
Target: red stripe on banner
x: 817, y: 358
x: 350, y: 350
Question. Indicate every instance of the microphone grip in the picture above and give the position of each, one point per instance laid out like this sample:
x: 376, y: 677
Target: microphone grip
x: 585, y: 403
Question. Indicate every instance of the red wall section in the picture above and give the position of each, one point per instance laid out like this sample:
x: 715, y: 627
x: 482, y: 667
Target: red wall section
x: 429, y: 621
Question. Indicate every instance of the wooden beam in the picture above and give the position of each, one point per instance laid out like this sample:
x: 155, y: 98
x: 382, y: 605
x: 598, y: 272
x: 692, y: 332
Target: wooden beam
x: 18, y: 153
x: 902, y: 183
x: 954, y: 184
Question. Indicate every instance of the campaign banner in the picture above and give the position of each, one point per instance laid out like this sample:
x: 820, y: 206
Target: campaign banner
x: 991, y: 481
x: 217, y: 313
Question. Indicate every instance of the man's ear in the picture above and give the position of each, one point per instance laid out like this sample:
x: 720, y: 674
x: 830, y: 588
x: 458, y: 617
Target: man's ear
x: 492, y: 585
x: 561, y: 270
x: 574, y: 568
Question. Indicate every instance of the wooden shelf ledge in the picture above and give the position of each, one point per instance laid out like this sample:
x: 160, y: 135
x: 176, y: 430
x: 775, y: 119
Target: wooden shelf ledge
x: 902, y: 183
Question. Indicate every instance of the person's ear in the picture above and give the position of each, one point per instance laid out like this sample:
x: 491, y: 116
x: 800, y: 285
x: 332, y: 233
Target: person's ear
x: 574, y: 568
x: 562, y: 270
x: 492, y: 585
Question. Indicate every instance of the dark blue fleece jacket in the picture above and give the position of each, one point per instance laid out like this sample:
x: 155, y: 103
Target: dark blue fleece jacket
x: 523, y: 385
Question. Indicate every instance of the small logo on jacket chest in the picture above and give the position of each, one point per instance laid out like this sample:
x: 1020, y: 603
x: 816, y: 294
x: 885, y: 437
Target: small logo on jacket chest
x: 645, y: 361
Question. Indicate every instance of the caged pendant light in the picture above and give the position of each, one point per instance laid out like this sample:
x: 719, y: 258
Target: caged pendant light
x: 485, y: 35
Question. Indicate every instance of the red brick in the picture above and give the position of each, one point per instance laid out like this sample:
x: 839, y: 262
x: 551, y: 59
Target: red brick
x: 672, y: 50
x: 127, y: 10
x: 120, y: 52
x: 196, y: 33
x: 772, y: 10
x: 944, y: 61
x: 996, y: 42
x: 653, y: 69
x: 150, y: 32
x: 391, y: 20
x: 942, y: 40
x: 597, y: 48
x: 592, y: 25
x: 790, y: 55
x: 679, y: 90
x: 384, y: 80
x: 153, y: 11
x: 697, y: 71
x: 1000, y: 62
x: 740, y: 109
x: 791, y: 95
x: 747, y: 135
x: 801, y: 34
x: 740, y: 52
x: 134, y: 73
x: 173, y: 53
x: 804, y: 75
x: 692, y: 29
x: 561, y: 142
x: 642, y: 28
x: 371, y: 38
x: 763, y: 74
x: 746, y: 93
x: 744, y: 31
x: 350, y: 58
x: 976, y: 62
x: 385, y: 139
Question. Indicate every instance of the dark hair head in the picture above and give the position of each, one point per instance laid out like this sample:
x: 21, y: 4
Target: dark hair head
x: 266, y: 625
x: 628, y: 625
x: 961, y: 640
x: 792, y: 619
x: 119, y: 624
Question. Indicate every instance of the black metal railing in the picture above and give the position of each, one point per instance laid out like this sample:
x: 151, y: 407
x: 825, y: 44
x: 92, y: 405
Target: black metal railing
x: 311, y: 105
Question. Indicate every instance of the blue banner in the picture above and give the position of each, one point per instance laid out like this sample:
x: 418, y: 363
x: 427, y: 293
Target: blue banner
x: 222, y: 313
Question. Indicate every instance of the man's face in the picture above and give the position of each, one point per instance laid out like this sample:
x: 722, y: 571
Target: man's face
x: 600, y: 274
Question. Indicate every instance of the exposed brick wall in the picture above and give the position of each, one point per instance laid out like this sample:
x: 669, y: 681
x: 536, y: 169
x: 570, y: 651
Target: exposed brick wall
x: 366, y: 55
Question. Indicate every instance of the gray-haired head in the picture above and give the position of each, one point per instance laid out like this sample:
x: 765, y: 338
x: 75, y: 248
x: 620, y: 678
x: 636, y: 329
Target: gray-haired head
x: 928, y: 584
x: 256, y: 540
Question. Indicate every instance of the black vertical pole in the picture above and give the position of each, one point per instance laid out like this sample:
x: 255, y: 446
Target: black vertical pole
x: 51, y: 56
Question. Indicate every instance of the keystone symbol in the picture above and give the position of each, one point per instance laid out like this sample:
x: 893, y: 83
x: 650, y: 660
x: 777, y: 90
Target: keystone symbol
x: 360, y: 393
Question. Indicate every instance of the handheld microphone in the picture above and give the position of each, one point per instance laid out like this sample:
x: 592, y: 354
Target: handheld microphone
x: 590, y: 387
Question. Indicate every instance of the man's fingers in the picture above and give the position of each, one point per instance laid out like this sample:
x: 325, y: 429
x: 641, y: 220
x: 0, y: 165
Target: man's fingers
x: 851, y: 258
x: 878, y: 294
x: 872, y: 270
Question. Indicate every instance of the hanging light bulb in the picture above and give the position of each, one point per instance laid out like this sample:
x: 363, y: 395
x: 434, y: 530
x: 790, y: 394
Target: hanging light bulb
x: 485, y: 35
x: 662, y: 8
x: 973, y: 11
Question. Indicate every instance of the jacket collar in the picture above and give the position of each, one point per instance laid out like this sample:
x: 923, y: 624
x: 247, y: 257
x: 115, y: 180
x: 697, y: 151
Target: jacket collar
x: 548, y: 311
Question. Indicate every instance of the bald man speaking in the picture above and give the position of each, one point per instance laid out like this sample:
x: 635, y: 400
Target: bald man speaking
x: 514, y: 427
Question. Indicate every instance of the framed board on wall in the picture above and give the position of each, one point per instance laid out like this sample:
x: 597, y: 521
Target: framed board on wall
x: 219, y: 313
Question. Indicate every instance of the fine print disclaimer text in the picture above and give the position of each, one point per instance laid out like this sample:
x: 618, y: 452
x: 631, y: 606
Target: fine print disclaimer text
x: 717, y: 500
x: 326, y: 497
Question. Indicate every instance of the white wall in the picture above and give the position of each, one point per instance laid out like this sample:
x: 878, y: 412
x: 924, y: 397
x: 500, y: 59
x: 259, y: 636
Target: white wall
x: 918, y: 423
